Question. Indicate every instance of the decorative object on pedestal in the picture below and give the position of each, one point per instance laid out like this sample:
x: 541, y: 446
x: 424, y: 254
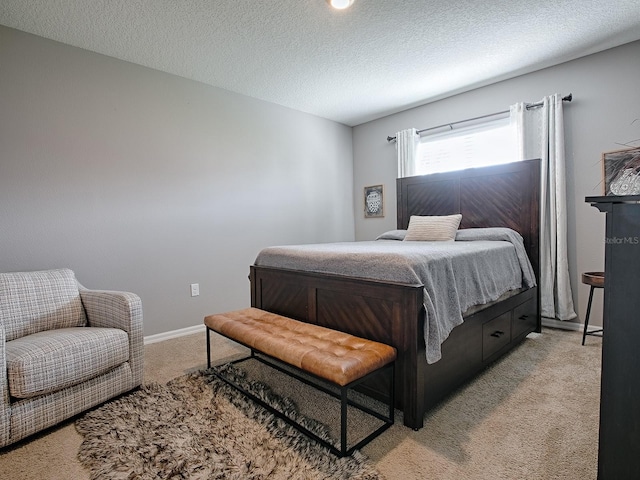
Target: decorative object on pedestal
x: 621, y: 172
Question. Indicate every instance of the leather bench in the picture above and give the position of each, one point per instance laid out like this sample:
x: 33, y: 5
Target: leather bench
x: 339, y: 358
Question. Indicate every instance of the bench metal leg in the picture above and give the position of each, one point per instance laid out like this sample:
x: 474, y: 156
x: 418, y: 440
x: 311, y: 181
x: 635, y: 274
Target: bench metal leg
x: 208, y: 347
x: 343, y: 420
x: 343, y: 395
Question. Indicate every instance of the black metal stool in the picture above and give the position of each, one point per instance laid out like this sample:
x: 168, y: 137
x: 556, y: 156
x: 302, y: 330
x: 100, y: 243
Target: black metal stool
x: 595, y: 280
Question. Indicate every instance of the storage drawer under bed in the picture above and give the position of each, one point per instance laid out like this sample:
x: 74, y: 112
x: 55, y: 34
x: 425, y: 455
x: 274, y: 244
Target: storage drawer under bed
x: 524, y: 318
x: 496, y: 334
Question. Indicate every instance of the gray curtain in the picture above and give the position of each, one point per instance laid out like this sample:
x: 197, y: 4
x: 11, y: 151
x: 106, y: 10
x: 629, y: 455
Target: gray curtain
x: 541, y: 135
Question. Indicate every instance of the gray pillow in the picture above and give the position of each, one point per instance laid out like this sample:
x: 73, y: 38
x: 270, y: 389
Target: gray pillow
x: 488, y: 233
x: 392, y: 235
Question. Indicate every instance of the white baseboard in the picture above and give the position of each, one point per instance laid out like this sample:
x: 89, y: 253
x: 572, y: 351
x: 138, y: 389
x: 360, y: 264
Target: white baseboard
x: 553, y: 323
x: 161, y: 337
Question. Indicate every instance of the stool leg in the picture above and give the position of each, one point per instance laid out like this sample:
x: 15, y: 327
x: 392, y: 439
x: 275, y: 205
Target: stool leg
x: 586, y: 319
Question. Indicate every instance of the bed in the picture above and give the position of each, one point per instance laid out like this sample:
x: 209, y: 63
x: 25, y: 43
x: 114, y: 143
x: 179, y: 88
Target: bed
x: 393, y: 312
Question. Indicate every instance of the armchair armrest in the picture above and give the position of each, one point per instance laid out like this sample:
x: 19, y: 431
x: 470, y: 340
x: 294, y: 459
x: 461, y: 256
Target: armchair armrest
x: 5, y: 409
x: 121, y: 310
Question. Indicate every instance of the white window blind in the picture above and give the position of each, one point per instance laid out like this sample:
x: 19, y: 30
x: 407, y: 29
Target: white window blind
x: 488, y: 143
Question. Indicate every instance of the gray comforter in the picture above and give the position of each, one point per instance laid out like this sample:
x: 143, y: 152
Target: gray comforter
x: 477, y: 268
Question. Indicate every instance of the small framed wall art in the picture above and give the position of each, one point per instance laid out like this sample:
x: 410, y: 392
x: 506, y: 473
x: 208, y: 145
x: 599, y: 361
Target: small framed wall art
x: 621, y: 172
x: 374, y: 201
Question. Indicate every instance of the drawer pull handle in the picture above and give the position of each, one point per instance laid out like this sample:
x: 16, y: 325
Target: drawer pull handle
x: 497, y: 333
x: 523, y: 317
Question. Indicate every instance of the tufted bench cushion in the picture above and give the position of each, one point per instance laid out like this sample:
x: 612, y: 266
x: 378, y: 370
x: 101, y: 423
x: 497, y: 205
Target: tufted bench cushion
x: 335, y: 356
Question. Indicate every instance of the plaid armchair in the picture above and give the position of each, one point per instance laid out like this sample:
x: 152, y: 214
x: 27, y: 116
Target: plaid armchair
x: 63, y: 349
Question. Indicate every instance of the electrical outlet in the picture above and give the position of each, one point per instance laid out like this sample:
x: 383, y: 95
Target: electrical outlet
x: 195, y: 289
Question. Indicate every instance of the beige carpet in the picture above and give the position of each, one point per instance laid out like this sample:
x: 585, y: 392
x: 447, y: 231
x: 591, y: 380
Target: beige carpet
x: 533, y: 415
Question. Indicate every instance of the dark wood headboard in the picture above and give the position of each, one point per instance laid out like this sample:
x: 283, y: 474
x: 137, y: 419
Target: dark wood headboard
x: 505, y: 195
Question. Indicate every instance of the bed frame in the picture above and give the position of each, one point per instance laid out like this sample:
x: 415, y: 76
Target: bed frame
x: 392, y: 313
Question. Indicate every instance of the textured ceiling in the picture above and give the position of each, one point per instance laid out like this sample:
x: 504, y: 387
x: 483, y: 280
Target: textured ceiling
x: 376, y: 58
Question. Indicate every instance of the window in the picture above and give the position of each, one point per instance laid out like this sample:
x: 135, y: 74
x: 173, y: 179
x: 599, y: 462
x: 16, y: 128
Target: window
x: 482, y: 144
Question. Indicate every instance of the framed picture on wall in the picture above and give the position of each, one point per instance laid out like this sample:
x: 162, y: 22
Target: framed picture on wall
x: 374, y: 201
x: 621, y: 172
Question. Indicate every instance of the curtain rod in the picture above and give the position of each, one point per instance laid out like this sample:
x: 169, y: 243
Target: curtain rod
x: 566, y: 98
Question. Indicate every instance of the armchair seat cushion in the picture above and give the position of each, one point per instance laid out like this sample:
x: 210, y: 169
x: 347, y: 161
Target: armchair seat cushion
x: 49, y: 361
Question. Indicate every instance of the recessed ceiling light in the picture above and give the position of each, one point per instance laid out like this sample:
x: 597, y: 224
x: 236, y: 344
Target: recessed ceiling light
x: 340, y: 4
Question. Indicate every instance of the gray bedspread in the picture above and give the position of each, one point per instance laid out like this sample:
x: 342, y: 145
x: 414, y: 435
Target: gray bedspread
x: 455, y: 275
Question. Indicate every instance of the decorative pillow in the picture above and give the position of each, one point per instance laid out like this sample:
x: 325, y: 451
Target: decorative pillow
x: 392, y: 235
x: 433, y: 228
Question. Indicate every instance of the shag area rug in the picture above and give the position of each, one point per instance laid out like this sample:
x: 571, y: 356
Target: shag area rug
x: 197, y: 427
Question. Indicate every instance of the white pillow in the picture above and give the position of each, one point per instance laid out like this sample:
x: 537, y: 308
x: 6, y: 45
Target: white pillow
x: 433, y: 228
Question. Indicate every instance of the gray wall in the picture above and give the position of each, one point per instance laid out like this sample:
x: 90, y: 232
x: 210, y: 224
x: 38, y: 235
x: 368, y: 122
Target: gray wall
x: 144, y: 181
x: 605, y: 111
x: 147, y: 182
